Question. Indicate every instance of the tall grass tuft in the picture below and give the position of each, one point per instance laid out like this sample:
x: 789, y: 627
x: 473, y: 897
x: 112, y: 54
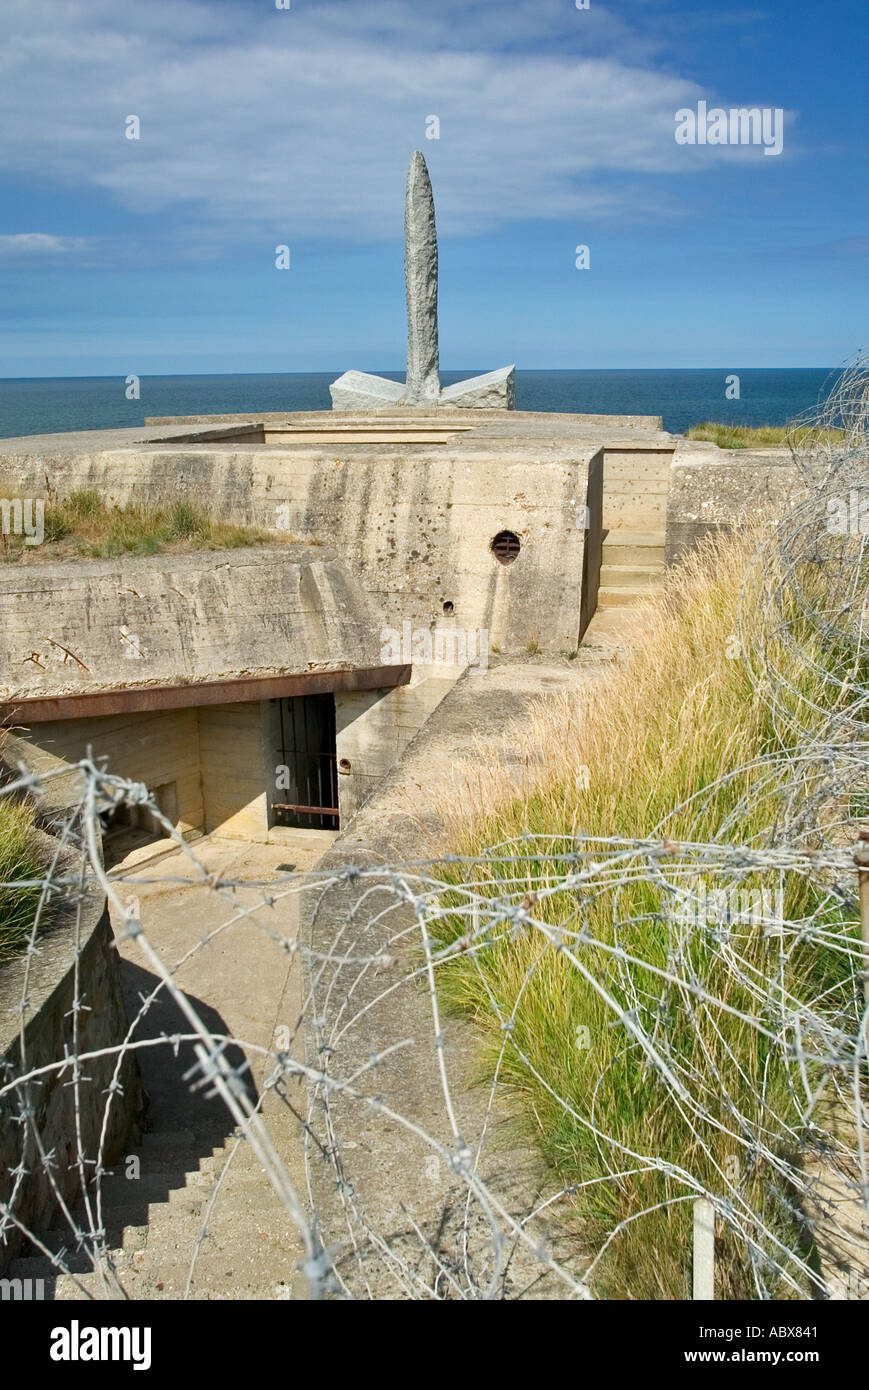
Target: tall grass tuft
x: 20, y: 860
x: 667, y: 747
x: 84, y: 524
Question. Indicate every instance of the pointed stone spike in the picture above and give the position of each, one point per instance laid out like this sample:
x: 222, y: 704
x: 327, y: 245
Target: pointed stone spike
x: 421, y: 282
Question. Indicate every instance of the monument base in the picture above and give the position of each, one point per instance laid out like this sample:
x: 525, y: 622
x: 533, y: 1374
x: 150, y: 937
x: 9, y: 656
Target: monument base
x: 363, y: 391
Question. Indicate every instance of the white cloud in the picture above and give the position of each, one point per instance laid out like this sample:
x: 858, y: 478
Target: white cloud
x: 289, y: 124
x: 39, y: 244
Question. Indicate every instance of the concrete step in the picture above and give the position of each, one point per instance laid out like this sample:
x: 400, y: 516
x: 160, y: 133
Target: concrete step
x: 617, y: 576
x: 625, y: 535
x: 633, y: 555
x: 65, y: 1288
x: 179, y: 1222
x: 612, y: 597
x: 623, y: 512
x: 250, y: 1237
x: 160, y: 1138
x: 41, y: 1267
x: 622, y: 546
x: 627, y: 482
x: 121, y: 1241
x: 149, y: 1188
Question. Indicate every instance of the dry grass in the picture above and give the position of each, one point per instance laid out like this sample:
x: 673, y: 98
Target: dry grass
x: 649, y: 752
x: 760, y: 436
x: 22, y: 860
x: 84, y: 525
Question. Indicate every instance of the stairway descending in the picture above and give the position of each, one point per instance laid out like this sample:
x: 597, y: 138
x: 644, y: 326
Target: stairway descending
x: 152, y: 1226
x: 632, y: 567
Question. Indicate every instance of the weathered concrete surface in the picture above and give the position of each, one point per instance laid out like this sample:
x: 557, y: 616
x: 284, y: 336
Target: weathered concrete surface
x: 87, y: 625
x: 422, y: 383
x: 364, y: 1011
x: 243, y: 985
x: 711, y: 489
x: 413, y: 521
x: 602, y: 427
x: 636, y: 486
x: 62, y: 1110
x: 374, y: 727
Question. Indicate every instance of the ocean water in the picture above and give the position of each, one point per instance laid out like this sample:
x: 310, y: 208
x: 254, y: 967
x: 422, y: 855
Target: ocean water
x: 684, y: 397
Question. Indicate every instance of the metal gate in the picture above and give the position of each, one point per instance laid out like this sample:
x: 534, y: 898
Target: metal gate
x: 309, y: 800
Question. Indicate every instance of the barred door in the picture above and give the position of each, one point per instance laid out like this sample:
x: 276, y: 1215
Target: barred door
x: 307, y: 752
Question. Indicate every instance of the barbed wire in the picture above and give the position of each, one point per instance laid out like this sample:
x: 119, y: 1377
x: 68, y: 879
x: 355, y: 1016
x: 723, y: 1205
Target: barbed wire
x: 711, y: 992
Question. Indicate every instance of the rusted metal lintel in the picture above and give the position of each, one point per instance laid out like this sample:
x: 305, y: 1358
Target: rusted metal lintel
x: 307, y: 810
x: 152, y: 698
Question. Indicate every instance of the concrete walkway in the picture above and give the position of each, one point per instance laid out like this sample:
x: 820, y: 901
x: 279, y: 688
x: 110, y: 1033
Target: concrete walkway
x: 389, y: 1205
x: 190, y: 1172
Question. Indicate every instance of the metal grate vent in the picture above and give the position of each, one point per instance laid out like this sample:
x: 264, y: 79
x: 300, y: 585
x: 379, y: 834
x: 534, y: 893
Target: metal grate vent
x: 505, y: 547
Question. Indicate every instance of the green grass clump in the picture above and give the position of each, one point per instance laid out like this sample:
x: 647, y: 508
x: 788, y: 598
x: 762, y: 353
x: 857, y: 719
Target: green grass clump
x: 83, y: 524
x: 667, y: 745
x: 20, y: 860
x: 759, y: 436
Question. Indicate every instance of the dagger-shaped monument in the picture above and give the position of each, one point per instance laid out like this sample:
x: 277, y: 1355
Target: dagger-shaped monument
x: 422, y: 388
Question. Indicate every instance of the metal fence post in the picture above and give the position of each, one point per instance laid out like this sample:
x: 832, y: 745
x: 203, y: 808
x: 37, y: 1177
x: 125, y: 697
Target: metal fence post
x: 704, y: 1249
x: 861, y: 859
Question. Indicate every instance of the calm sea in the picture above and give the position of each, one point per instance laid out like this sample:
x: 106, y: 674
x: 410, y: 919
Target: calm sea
x: 768, y: 396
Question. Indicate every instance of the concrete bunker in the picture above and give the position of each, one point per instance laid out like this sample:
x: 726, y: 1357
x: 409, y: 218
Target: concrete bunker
x: 258, y: 768
x: 412, y: 541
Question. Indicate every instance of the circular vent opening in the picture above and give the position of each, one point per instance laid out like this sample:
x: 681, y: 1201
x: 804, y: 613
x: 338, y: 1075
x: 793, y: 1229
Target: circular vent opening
x: 449, y: 607
x: 505, y: 547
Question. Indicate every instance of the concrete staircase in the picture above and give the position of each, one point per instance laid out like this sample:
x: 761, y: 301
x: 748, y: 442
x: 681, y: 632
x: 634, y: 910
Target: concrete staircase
x: 632, y: 567
x: 154, y: 1225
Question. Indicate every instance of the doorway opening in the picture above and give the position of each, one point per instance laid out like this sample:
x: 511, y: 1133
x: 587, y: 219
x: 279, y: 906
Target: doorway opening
x: 307, y: 782
x: 126, y: 828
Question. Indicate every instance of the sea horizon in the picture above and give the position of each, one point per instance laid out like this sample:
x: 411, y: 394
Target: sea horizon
x: 682, y: 396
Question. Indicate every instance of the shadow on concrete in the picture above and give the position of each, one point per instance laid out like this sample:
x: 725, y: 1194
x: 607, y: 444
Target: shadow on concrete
x: 180, y: 1126
x: 172, y: 1106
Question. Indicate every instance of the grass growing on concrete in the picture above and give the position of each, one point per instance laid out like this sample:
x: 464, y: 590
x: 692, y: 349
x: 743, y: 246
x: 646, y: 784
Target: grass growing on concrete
x: 21, y: 859
x: 84, y: 525
x: 759, y: 436
x: 645, y: 756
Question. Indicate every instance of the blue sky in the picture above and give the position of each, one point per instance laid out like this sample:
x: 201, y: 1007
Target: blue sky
x: 262, y: 127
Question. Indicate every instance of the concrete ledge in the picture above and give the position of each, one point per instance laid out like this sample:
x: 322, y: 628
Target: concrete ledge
x: 164, y: 697
x: 87, y: 626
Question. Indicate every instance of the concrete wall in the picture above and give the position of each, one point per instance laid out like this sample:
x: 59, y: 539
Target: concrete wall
x: 412, y: 524
x: 50, y: 991
x: 84, y: 625
x: 153, y: 748
x: 237, y: 769
x: 218, y: 758
x: 713, y: 489
x: 375, y: 726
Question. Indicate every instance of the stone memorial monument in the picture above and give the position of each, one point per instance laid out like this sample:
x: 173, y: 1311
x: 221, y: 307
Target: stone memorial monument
x: 422, y: 386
